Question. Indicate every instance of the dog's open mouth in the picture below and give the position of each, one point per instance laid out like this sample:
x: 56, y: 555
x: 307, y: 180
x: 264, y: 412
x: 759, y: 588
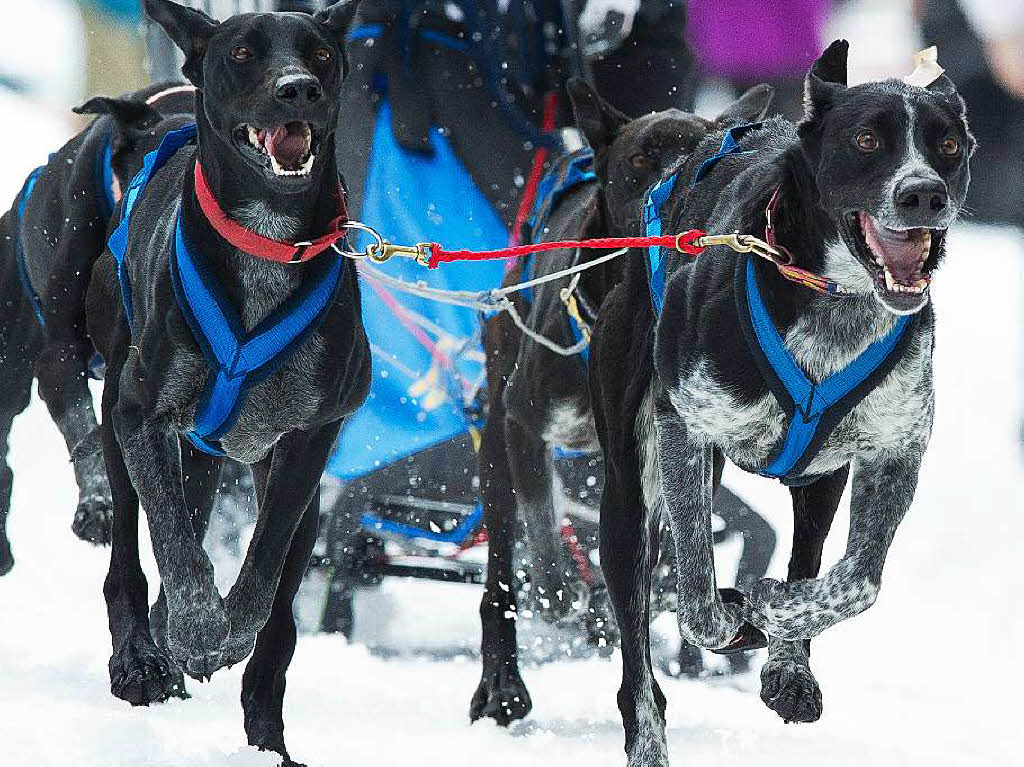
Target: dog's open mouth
x: 286, y: 150
x: 900, y: 260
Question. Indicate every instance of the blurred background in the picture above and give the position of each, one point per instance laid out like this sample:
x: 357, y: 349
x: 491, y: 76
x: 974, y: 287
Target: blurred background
x: 931, y: 672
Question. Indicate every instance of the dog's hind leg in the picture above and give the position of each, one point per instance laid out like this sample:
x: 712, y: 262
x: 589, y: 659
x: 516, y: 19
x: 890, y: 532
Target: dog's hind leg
x: 263, y: 683
x: 788, y: 686
x: 16, y: 385
x: 556, y: 585
x: 285, y: 488
x: 627, y: 543
x: 63, y: 385
x: 140, y: 672
x: 501, y: 694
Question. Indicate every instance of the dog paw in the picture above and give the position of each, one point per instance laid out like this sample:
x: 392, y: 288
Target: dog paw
x: 791, y: 691
x: 141, y: 674
x: 6, y: 557
x: 93, y: 520
x: 502, y: 697
x: 196, y: 635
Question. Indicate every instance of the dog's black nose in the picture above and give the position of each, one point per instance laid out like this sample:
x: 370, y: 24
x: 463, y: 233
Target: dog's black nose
x: 922, y: 195
x: 298, y: 89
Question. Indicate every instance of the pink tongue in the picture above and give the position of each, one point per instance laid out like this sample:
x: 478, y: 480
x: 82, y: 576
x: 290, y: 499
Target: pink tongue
x: 287, y: 143
x: 901, y: 251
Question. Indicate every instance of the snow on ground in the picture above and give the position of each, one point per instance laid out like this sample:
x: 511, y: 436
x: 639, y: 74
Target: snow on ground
x: 929, y: 676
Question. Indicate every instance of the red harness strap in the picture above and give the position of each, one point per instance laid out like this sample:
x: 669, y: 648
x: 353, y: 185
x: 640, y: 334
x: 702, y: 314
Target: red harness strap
x: 258, y: 245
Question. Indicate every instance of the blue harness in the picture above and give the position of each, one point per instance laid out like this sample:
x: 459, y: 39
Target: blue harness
x: 813, y: 409
x: 238, y: 360
x: 577, y: 169
x: 103, y: 178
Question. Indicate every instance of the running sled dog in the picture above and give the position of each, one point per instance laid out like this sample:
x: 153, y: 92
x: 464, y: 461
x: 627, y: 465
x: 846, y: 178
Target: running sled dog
x: 49, y: 240
x: 230, y: 328
x: 539, y: 398
x: 807, y: 371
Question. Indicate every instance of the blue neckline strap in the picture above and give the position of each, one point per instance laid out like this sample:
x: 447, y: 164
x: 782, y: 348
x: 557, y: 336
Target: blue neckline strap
x: 237, y: 360
x: 103, y: 176
x: 730, y: 146
x: 813, y: 410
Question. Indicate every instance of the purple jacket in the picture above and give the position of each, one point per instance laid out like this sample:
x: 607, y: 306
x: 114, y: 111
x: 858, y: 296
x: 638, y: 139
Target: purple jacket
x: 750, y: 40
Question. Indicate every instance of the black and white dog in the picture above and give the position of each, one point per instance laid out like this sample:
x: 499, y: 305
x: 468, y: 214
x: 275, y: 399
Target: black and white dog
x: 538, y: 398
x: 50, y: 239
x: 229, y: 327
x: 742, y: 363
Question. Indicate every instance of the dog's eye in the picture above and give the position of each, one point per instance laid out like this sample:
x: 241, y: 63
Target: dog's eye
x: 640, y: 162
x: 241, y: 53
x: 950, y: 147
x: 867, y: 141
x: 323, y: 54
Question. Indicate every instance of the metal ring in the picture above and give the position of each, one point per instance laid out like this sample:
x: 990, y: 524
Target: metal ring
x: 363, y: 228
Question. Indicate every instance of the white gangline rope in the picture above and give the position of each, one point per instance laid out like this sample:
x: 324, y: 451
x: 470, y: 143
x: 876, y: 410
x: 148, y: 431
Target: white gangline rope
x: 496, y: 300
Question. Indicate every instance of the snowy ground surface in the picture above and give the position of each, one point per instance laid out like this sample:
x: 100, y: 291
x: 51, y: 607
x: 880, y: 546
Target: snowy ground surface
x: 930, y: 676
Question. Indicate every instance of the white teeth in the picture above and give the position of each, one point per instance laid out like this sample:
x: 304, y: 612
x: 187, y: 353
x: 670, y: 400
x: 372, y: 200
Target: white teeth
x: 307, y: 166
x: 897, y: 287
x: 254, y: 139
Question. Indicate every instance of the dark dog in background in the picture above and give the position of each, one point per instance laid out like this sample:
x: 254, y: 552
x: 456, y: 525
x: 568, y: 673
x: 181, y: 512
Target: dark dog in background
x: 266, y: 106
x: 51, y: 237
x: 861, y: 191
x: 538, y: 398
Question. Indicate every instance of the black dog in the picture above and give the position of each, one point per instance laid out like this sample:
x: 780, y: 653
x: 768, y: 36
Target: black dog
x: 199, y: 275
x: 46, y: 268
x: 861, y: 190
x: 538, y: 398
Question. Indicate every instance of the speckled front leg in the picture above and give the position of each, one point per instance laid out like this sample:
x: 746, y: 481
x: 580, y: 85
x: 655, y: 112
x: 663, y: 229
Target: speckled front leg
x: 685, y: 465
x: 883, y: 488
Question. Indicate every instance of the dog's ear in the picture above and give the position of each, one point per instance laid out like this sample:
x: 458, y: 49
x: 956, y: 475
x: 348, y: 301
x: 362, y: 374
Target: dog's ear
x: 751, y: 107
x: 188, y: 28
x: 824, y: 83
x: 129, y: 112
x: 944, y: 87
x: 598, y: 121
x: 338, y: 19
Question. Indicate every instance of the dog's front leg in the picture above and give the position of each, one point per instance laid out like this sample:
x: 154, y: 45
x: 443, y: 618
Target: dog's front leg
x: 197, y: 625
x: 686, y: 464
x: 285, y: 486
x: 883, y: 488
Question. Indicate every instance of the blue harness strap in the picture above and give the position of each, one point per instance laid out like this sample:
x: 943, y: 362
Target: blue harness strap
x: 573, y: 170
x: 19, y: 246
x: 237, y: 359
x: 103, y: 175
x: 656, y: 264
x: 118, y: 242
x: 814, y: 410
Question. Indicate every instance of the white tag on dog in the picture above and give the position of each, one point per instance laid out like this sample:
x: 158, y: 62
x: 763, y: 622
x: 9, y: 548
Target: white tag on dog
x: 926, y: 68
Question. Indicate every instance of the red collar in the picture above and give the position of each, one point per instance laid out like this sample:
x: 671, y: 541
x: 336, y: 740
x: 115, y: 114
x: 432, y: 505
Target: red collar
x: 258, y: 245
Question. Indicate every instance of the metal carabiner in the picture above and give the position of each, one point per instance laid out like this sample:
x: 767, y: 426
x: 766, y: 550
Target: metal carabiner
x: 369, y: 248
x: 381, y: 251
x: 736, y: 241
